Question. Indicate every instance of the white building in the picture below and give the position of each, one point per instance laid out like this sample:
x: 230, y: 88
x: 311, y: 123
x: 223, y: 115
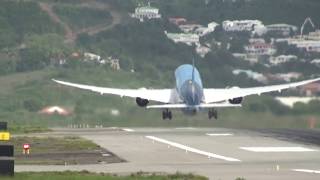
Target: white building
x: 202, y: 50
x: 241, y: 25
x: 260, y: 49
x: 186, y: 38
x: 146, y: 12
x: 282, y: 59
x: 281, y: 29
x: 308, y: 45
x: 91, y: 57
x: 199, y: 29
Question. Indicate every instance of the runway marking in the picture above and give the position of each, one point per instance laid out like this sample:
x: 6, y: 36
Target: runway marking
x: 277, y: 149
x: 185, y: 128
x: 307, y: 171
x: 219, y: 134
x: 194, y: 150
x: 127, y: 129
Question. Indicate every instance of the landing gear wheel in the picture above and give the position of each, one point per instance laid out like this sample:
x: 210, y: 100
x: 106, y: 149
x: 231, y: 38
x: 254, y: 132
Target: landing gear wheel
x: 166, y: 114
x: 213, y: 113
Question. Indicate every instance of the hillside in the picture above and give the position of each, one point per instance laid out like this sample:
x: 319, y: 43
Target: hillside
x: 43, y: 39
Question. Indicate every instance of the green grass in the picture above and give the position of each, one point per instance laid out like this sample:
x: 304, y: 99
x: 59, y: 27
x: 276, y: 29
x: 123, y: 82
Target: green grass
x: 84, y: 175
x: 14, y: 129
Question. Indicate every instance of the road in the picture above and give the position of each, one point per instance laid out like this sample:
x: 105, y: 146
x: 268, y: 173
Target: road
x: 213, y: 152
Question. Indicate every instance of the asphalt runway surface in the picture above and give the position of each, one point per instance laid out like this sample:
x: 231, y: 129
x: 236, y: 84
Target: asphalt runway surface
x: 213, y: 152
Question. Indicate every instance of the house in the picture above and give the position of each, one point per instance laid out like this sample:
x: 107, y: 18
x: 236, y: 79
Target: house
x: 202, y: 50
x: 241, y: 25
x: 146, y: 12
x: 259, y: 49
x: 91, y: 57
x: 51, y: 110
x: 311, y: 89
x: 282, y: 59
x: 190, y: 28
x: 177, y: 20
x: 186, y: 38
x: 313, y: 36
x: 281, y: 29
x: 284, y: 77
x: 316, y: 62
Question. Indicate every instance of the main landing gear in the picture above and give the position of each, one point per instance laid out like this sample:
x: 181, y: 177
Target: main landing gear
x: 212, y: 113
x: 166, y: 114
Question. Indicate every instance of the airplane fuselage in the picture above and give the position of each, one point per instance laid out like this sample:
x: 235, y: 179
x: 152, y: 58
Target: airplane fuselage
x: 189, y: 87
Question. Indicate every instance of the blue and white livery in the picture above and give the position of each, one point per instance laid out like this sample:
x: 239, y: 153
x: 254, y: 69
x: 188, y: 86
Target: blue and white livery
x: 189, y: 94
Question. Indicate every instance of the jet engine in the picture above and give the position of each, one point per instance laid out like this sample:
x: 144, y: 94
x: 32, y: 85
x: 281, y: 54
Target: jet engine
x: 236, y: 100
x: 142, y: 102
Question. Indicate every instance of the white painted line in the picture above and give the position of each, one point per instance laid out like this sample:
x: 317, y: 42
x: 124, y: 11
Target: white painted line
x: 127, y: 129
x: 307, y: 171
x: 277, y: 149
x: 219, y: 134
x: 185, y: 128
x: 190, y: 149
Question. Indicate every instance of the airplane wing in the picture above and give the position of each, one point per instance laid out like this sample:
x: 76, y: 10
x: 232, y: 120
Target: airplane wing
x: 219, y: 95
x: 159, y: 95
x: 182, y: 106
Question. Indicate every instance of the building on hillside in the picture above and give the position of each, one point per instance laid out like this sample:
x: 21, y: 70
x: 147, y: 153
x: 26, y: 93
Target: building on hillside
x: 259, y: 49
x: 186, y: 38
x: 114, y: 63
x: 202, y: 31
x: 312, y: 89
x: 307, y: 45
x: 146, y: 12
x: 251, y: 74
x: 316, y: 62
x: 52, y: 110
x: 282, y: 59
x: 202, y: 50
x: 198, y: 29
x: 91, y: 57
x: 284, y: 77
x: 189, y: 28
x: 313, y: 35
x: 281, y: 29
x: 243, y: 25
x: 177, y: 20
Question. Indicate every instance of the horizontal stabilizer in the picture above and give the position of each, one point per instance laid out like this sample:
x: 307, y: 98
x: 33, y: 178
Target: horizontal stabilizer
x: 181, y: 106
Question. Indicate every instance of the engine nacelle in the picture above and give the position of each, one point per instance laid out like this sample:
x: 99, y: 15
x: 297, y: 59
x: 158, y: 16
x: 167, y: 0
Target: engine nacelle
x: 236, y: 100
x: 142, y: 102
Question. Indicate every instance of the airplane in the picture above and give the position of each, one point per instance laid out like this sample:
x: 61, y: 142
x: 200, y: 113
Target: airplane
x: 189, y: 94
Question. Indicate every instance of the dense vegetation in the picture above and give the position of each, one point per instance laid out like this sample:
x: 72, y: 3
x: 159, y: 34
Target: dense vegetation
x: 19, y: 19
x: 90, y: 17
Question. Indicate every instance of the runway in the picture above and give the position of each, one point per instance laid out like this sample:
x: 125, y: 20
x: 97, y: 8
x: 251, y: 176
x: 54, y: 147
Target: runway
x: 213, y: 152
